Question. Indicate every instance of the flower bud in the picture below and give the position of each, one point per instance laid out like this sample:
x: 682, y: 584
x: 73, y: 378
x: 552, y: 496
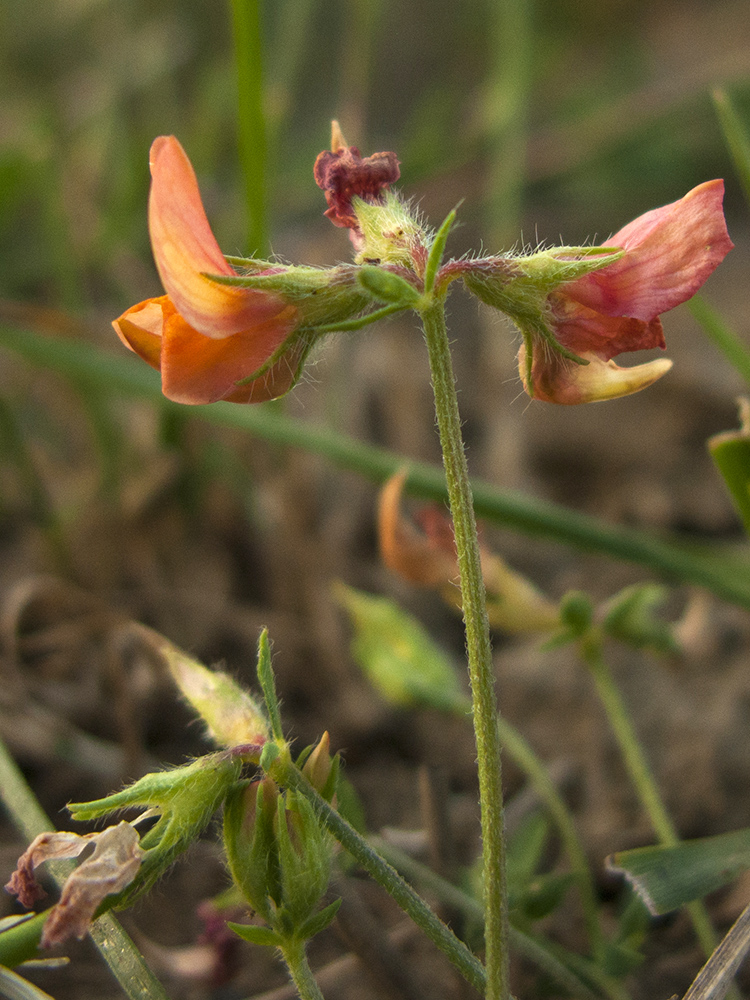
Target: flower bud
x: 232, y: 716
x: 250, y: 844
x: 280, y: 858
x: 321, y: 769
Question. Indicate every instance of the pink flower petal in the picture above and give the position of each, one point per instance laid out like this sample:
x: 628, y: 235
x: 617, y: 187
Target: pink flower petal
x: 583, y: 330
x: 671, y: 251
x: 184, y: 247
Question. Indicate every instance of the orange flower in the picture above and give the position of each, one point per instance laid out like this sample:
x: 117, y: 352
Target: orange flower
x: 204, y: 336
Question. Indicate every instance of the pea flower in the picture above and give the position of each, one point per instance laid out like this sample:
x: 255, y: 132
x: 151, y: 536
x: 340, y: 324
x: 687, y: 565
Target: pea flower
x: 610, y: 302
x: 218, y: 334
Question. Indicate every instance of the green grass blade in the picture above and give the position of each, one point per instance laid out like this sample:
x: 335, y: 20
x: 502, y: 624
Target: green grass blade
x: 732, y: 347
x: 667, y: 877
x: 736, y: 137
x: 726, y: 577
x: 248, y: 42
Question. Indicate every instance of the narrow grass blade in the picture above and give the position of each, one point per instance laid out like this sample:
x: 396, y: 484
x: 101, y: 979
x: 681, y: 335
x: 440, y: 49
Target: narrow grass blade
x: 668, y: 877
x: 736, y: 137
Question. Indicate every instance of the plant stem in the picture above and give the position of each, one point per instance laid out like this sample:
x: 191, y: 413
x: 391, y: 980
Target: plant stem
x: 385, y: 875
x: 640, y: 772
x: 295, y: 957
x: 478, y: 649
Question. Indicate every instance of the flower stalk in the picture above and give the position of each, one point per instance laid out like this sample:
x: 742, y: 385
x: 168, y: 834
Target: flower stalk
x: 478, y: 649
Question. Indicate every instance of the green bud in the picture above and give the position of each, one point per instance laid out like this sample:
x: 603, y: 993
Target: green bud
x: 278, y: 854
x: 305, y: 855
x: 388, y: 287
x: 576, y: 613
x: 398, y: 656
x: 320, y: 769
x: 232, y: 716
x: 185, y: 798
x: 630, y: 618
x: 390, y: 233
x: 519, y: 286
x: 250, y: 844
x: 322, y: 295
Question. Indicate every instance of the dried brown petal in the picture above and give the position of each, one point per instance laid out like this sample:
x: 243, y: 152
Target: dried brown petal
x: 113, y: 866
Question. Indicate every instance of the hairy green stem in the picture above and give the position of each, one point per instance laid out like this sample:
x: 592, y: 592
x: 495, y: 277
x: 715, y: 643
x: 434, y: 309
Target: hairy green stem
x: 640, y: 772
x: 410, y: 902
x: 478, y: 649
x: 535, y: 949
x: 293, y: 952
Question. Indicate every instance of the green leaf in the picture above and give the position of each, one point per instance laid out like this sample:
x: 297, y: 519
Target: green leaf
x: 630, y: 619
x: 256, y: 935
x: 736, y: 137
x: 388, y: 287
x: 731, y: 454
x: 399, y: 658
x: 319, y: 921
x: 525, y: 849
x: 668, y: 877
x: 267, y: 683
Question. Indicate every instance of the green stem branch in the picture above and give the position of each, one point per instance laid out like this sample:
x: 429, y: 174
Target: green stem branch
x: 478, y: 649
x: 293, y: 952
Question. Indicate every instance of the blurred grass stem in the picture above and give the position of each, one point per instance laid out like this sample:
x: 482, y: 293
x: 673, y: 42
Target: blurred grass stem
x: 479, y: 652
x: 639, y: 771
x: 734, y: 350
x: 248, y: 42
x: 726, y: 576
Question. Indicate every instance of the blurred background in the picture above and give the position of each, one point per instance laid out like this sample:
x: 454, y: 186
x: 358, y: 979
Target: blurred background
x: 553, y: 122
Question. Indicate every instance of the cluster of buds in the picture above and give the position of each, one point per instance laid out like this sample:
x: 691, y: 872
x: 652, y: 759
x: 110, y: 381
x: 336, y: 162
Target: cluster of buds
x: 240, y: 329
x: 279, y: 855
